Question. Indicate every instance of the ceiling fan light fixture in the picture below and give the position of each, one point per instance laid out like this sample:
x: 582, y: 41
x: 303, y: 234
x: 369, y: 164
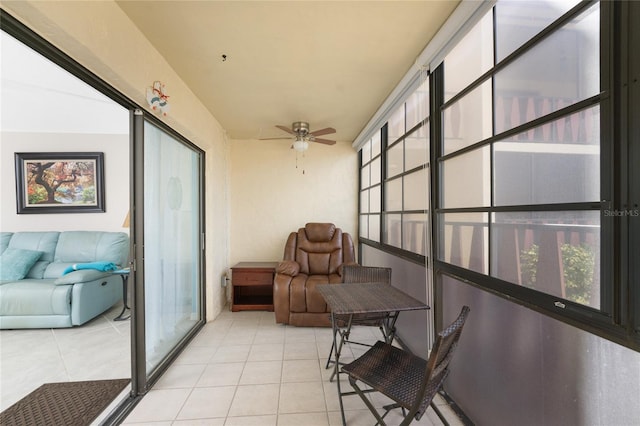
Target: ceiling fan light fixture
x: 300, y: 144
x: 300, y: 128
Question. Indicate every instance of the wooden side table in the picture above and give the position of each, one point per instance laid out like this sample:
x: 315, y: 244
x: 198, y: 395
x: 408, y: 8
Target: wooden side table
x: 252, y: 286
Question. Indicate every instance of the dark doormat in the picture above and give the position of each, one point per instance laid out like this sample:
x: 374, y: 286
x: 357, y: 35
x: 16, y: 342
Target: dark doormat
x: 63, y: 404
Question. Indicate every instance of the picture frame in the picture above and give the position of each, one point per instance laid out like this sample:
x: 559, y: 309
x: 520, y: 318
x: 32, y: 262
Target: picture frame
x: 59, y: 182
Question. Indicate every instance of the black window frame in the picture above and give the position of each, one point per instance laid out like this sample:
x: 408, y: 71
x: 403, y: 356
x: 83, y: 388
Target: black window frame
x: 385, y: 145
x: 618, y: 318
x: 361, y: 164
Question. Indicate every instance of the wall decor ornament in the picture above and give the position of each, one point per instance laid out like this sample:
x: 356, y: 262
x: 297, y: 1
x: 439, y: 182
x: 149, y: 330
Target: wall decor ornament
x: 158, y: 100
x: 59, y: 182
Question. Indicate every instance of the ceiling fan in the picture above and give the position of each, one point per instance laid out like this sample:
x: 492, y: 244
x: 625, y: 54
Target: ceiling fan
x: 300, y: 130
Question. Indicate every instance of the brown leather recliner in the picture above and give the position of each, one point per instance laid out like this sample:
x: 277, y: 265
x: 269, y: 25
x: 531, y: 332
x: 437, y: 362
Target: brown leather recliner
x: 313, y: 255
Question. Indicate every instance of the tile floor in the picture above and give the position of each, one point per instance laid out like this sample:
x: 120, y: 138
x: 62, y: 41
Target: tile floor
x: 243, y: 369
x: 99, y: 349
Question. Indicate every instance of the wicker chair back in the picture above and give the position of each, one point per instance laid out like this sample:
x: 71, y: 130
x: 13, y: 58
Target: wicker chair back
x: 410, y: 381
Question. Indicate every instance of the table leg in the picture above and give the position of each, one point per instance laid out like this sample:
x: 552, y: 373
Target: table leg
x: 125, y: 279
x: 336, y: 373
x: 389, y: 327
x: 344, y: 335
x: 330, y: 357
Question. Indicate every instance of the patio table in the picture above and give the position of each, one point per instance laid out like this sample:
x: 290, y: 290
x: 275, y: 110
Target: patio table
x: 348, y: 299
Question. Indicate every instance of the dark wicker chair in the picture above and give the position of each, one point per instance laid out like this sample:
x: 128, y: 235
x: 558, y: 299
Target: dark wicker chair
x: 410, y: 381
x: 366, y: 274
x: 362, y: 274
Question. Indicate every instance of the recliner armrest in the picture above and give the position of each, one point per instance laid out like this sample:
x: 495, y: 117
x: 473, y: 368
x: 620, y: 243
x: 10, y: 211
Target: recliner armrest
x: 288, y: 267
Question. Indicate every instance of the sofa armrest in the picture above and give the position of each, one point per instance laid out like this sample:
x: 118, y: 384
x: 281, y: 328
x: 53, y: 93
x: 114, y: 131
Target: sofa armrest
x: 81, y: 276
x: 91, y: 298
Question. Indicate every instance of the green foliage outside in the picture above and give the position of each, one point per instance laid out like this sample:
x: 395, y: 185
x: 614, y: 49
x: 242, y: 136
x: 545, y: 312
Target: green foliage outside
x: 578, y: 263
x: 528, y: 266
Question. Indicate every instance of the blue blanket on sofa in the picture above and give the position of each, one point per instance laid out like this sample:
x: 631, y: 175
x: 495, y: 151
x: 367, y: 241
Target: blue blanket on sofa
x: 100, y: 266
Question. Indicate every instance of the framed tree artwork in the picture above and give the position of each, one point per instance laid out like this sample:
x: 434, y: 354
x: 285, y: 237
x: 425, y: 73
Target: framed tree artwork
x: 60, y: 182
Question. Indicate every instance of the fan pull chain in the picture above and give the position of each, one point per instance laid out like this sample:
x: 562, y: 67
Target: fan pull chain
x: 302, y: 161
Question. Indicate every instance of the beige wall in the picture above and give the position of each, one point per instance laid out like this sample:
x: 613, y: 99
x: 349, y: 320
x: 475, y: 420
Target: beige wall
x: 255, y: 195
x: 102, y: 38
x: 270, y: 197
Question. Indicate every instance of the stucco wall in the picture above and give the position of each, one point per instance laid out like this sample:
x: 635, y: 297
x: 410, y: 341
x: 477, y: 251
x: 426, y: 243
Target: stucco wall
x: 100, y: 36
x: 271, y: 196
x: 255, y: 195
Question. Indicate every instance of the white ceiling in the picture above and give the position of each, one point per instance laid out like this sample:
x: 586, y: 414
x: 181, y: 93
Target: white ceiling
x: 331, y: 63
x: 38, y: 96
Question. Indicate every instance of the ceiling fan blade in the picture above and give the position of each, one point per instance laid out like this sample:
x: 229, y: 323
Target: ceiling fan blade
x: 286, y: 129
x: 324, y: 141
x: 325, y: 131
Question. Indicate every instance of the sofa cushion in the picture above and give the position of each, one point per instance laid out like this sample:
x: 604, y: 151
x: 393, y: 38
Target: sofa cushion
x: 16, y: 263
x: 44, y: 242
x: 5, y: 237
x: 88, y: 246
x: 35, y: 297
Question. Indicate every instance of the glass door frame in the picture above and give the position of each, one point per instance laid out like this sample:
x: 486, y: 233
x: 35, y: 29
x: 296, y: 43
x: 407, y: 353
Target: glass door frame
x: 140, y: 383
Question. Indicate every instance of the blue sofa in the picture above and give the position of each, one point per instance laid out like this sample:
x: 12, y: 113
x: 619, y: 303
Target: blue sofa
x: 47, y: 297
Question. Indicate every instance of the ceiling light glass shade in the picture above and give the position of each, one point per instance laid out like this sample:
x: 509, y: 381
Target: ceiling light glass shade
x: 300, y: 145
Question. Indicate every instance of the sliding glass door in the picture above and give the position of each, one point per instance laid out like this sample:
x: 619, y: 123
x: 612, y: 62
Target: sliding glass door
x: 151, y: 172
x: 172, y: 242
x: 168, y: 245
